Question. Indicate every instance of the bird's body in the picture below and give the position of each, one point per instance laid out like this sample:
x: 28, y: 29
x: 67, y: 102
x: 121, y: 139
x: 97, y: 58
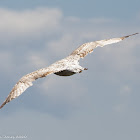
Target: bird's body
x: 65, y: 67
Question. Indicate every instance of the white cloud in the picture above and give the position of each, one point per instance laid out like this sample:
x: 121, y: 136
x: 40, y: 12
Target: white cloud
x: 36, y: 60
x: 63, y: 89
x: 6, y: 62
x: 120, y: 108
x: 125, y: 90
x: 124, y: 99
x: 29, y: 21
x: 73, y: 19
x: 61, y: 46
x: 101, y: 20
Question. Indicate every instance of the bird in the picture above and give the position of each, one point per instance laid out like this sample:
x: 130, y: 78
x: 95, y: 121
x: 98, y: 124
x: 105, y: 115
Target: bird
x: 64, y: 67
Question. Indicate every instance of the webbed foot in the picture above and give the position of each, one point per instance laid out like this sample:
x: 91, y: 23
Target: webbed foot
x: 80, y: 71
x: 85, y: 68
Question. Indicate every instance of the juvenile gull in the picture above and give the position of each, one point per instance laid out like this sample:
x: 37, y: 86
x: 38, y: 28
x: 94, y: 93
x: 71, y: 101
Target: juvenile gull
x: 65, y: 67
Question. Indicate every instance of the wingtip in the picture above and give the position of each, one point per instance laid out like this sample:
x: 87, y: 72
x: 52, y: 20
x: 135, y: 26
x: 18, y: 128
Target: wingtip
x: 2, y: 105
x: 129, y: 35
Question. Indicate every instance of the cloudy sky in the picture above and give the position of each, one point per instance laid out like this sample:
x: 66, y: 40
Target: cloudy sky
x: 101, y: 103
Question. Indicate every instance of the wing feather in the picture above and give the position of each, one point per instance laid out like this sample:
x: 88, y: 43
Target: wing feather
x: 86, y: 48
x: 26, y: 81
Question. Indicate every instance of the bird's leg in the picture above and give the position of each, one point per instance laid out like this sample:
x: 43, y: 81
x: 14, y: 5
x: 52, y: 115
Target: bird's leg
x: 85, y: 68
x: 80, y: 71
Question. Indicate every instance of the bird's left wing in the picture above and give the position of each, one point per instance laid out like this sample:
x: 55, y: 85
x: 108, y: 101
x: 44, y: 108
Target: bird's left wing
x: 86, y: 48
x: 26, y: 81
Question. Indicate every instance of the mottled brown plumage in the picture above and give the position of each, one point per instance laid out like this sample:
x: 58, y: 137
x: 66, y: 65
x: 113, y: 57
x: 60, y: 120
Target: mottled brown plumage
x: 65, y: 67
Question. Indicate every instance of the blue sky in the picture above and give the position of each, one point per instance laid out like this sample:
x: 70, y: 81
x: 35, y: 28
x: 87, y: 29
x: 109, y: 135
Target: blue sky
x: 101, y: 103
x: 84, y: 9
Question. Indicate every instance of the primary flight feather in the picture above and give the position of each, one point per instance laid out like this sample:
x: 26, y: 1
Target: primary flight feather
x: 65, y: 67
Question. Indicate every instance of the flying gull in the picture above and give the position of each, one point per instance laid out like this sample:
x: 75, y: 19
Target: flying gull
x: 65, y: 67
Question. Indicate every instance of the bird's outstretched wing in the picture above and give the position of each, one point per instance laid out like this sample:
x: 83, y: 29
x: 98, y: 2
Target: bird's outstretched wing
x: 26, y: 81
x: 86, y: 48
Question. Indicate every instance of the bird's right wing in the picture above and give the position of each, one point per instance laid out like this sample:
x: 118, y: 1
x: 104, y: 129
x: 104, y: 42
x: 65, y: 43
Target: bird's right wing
x: 86, y: 48
x: 26, y: 81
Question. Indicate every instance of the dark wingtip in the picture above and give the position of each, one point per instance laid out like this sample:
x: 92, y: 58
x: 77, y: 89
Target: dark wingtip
x: 2, y: 105
x: 129, y: 35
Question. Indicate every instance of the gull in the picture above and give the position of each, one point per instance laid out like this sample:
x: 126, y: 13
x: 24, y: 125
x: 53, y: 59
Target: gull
x: 65, y: 67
